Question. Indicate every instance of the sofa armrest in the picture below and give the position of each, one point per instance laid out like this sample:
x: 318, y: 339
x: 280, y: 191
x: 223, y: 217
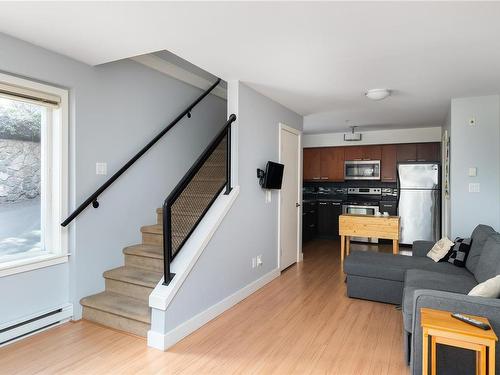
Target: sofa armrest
x: 454, y: 302
x: 421, y: 248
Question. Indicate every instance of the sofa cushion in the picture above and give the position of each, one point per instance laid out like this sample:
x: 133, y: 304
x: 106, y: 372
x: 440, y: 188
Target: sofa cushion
x: 421, y: 279
x: 393, y: 267
x: 479, y: 237
x: 488, y: 265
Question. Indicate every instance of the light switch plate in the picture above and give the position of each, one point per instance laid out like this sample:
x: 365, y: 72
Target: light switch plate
x: 472, y: 172
x: 101, y: 168
x: 474, y: 187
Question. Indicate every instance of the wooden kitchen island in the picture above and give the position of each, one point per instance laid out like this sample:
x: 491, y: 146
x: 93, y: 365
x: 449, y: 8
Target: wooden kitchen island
x: 351, y: 225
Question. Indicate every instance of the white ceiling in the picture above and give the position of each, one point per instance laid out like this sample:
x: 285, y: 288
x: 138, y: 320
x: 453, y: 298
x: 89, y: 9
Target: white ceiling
x: 315, y: 58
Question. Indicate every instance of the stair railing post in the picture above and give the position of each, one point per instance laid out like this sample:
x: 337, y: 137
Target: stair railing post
x: 228, y: 160
x: 167, y: 243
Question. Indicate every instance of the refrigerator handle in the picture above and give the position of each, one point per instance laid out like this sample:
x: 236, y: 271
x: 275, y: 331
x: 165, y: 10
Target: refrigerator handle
x: 398, y: 186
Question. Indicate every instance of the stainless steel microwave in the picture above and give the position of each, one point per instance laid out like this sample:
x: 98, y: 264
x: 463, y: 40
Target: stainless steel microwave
x: 362, y: 170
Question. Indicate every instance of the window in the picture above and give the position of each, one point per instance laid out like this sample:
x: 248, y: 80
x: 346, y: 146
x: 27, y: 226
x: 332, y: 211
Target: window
x: 33, y: 175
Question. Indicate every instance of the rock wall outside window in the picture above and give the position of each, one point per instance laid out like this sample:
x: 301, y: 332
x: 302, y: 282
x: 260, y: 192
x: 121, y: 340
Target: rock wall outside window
x: 19, y: 170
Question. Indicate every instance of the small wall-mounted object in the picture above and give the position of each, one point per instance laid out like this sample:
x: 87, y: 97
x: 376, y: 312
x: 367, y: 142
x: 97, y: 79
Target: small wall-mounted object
x: 272, y: 177
x: 472, y: 172
x: 472, y: 121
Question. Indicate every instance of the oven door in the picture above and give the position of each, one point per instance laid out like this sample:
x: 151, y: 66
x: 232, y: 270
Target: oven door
x: 362, y: 170
x: 361, y: 210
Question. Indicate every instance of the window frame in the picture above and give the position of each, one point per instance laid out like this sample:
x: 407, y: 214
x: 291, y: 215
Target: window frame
x: 56, y: 201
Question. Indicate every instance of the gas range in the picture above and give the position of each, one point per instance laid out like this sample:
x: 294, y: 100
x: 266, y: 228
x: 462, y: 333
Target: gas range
x: 363, y: 196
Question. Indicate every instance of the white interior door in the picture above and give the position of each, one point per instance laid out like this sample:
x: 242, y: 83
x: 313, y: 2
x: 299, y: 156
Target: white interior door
x: 290, y: 197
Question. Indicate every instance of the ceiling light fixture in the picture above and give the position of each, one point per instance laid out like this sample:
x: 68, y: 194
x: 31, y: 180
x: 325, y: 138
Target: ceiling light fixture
x: 377, y: 94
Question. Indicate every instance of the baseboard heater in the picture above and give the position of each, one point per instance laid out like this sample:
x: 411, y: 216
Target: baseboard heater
x: 18, y: 329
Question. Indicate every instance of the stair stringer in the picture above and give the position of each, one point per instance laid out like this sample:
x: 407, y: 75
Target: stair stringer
x: 162, y: 295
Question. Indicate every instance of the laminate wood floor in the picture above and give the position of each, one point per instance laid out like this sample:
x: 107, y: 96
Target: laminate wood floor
x: 300, y: 323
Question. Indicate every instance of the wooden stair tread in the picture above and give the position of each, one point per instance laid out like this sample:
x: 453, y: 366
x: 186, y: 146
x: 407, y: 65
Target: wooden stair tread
x: 143, y: 250
x: 120, y: 305
x: 132, y: 275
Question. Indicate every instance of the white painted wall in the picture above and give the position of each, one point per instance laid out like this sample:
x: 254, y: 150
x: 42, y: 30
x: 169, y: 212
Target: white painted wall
x: 375, y: 137
x: 251, y: 226
x: 115, y: 109
x: 475, y: 146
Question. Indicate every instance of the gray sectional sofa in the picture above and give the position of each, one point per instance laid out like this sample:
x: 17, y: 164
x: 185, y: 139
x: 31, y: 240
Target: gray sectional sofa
x: 417, y: 281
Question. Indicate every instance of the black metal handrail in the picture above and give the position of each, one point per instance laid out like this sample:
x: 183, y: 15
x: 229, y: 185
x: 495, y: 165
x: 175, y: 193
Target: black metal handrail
x: 168, y: 254
x: 93, y: 197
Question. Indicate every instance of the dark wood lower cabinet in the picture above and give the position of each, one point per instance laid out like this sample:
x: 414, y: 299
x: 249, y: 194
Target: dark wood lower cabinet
x: 328, y: 218
x: 309, y: 220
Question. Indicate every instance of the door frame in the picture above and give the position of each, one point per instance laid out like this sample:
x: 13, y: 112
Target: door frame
x: 300, y: 255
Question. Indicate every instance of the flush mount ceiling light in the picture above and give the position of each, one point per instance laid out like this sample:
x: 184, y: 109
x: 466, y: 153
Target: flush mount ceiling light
x: 377, y: 94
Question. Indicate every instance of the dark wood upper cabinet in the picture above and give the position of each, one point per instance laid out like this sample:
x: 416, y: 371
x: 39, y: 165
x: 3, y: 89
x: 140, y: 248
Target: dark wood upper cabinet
x: 372, y: 152
x: 353, y: 153
x: 362, y: 153
x: 332, y: 163
x: 406, y: 152
x: 428, y: 151
x: 388, y: 163
x: 311, y: 164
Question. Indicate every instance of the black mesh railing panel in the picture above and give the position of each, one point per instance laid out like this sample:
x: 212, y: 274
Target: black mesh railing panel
x: 197, y: 196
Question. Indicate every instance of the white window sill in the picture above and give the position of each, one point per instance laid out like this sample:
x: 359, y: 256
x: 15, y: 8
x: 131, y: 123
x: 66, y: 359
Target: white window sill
x: 32, y: 263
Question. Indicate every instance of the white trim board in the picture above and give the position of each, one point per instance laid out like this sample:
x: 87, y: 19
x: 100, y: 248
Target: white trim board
x: 172, y: 70
x: 162, y: 295
x: 165, y: 341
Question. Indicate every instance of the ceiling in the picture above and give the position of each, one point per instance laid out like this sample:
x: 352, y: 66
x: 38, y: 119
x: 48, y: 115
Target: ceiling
x: 314, y: 58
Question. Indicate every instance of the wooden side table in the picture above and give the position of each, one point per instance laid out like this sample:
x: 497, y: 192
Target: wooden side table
x: 443, y: 329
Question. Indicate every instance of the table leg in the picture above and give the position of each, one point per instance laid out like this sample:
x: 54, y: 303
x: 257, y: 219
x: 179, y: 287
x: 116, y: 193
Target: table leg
x: 433, y: 356
x: 481, y: 361
x: 342, y: 249
x: 491, y: 359
x: 425, y: 352
x: 347, y: 245
x: 395, y: 247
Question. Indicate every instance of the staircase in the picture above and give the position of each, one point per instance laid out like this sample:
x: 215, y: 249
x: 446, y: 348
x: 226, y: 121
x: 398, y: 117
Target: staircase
x: 124, y: 304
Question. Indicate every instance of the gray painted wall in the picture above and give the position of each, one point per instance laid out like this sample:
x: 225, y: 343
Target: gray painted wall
x: 251, y: 226
x: 478, y: 147
x: 114, y: 110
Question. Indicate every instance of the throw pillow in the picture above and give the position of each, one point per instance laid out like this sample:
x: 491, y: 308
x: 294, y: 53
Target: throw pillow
x: 440, y: 249
x: 489, y: 289
x: 459, y: 251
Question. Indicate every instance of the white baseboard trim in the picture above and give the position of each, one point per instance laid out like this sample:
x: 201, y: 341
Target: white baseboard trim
x: 164, y: 341
x: 35, y: 323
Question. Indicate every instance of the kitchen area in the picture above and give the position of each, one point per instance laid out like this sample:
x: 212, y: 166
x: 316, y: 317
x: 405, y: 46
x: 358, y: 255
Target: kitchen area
x: 379, y: 180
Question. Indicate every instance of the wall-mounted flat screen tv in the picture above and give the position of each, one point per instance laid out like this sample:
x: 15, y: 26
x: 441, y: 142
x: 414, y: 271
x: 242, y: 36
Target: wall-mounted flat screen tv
x: 273, y: 176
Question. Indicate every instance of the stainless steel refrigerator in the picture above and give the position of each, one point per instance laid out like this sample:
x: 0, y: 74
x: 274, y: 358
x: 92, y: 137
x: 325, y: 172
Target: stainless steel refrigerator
x: 419, y: 201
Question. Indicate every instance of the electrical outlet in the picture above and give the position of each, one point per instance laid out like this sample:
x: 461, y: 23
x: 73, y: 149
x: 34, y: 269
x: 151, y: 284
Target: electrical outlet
x: 101, y: 168
x: 268, y: 196
x: 254, y: 262
x: 259, y: 260
x: 474, y: 187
